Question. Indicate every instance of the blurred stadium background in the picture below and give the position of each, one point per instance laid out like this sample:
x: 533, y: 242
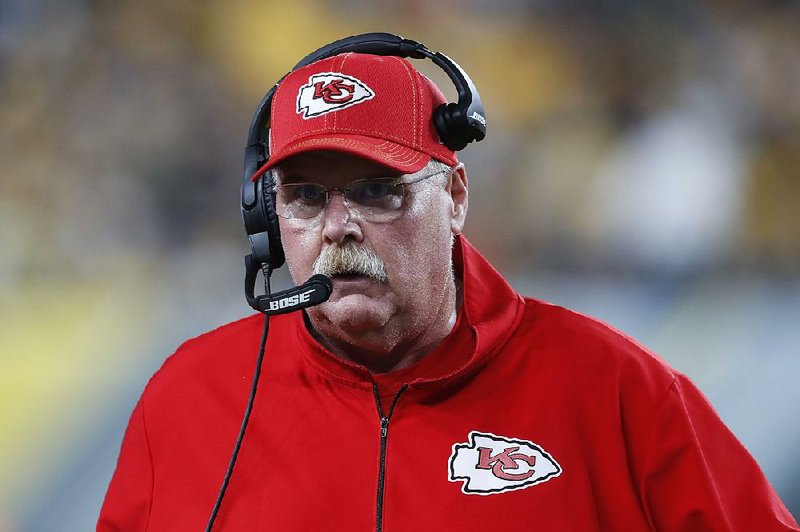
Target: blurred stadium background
x: 642, y: 165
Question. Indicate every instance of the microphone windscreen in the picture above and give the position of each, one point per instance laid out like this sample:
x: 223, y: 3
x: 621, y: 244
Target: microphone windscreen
x: 323, y: 280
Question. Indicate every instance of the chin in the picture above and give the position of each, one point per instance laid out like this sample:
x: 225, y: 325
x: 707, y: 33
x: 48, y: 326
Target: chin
x: 355, y: 312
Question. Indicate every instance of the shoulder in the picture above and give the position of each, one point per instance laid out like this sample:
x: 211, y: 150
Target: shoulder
x: 214, y: 358
x: 589, y: 347
x: 215, y: 347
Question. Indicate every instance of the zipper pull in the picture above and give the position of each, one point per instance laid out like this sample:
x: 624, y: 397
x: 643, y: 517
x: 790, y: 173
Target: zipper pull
x: 384, y: 426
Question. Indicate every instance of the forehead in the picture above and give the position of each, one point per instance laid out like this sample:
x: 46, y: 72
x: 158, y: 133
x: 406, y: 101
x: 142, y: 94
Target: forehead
x: 325, y: 166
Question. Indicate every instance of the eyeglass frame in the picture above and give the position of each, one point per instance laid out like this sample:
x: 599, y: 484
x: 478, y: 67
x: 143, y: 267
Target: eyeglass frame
x: 343, y: 191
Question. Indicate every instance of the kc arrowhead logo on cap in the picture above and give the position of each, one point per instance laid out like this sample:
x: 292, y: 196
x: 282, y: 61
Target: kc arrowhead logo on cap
x: 493, y: 464
x: 330, y: 91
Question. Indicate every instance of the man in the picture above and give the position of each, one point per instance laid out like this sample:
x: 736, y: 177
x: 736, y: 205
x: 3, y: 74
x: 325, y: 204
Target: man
x: 425, y: 394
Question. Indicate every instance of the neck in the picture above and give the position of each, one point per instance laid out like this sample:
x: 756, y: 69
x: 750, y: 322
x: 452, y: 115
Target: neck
x: 391, y: 348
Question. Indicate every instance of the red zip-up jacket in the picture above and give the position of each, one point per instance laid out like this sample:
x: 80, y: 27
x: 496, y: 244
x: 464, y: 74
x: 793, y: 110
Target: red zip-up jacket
x: 527, y: 417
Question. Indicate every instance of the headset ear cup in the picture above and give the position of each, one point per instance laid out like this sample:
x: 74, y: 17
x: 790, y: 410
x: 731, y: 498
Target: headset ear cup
x: 450, y: 132
x: 276, y: 255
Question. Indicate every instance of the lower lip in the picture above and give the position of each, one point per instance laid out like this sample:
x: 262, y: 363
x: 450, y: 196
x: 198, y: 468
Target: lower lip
x: 352, y: 282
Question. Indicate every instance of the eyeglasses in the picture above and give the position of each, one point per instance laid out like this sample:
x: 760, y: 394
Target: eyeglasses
x: 374, y: 200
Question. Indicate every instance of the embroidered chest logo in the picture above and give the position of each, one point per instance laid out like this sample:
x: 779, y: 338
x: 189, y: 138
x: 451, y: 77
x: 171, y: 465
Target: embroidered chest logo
x: 489, y: 464
x: 330, y: 91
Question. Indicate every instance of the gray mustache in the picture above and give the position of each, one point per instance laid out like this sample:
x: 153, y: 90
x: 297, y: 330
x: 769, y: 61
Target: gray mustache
x: 350, y: 258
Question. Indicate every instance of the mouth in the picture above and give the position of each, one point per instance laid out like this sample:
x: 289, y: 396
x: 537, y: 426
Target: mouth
x: 353, y: 281
x: 349, y: 276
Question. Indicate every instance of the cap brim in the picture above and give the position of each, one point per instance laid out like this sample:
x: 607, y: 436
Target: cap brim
x: 395, y: 156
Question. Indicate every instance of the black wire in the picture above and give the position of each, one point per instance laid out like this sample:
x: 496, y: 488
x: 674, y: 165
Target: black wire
x: 246, y: 418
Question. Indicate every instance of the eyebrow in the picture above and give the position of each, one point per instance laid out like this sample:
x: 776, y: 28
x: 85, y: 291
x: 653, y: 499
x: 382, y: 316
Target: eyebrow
x: 283, y: 178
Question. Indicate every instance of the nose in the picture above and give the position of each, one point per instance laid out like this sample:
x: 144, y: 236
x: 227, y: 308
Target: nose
x: 338, y: 223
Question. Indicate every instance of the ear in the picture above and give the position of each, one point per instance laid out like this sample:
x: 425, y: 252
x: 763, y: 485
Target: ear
x: 459, y: 195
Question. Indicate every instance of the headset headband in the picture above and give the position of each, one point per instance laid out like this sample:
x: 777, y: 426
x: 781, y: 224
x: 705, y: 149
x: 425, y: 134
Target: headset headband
x: 457, y: 124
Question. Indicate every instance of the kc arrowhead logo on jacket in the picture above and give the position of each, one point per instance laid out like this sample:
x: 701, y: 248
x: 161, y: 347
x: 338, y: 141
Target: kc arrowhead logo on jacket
x: 330, y: 91
x: 492, y: 464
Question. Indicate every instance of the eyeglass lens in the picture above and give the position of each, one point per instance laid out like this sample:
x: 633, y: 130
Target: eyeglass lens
x: 368, y: 197
x: 372, y: 199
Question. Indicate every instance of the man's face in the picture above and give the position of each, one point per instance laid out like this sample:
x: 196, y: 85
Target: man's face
x: 415, y: 249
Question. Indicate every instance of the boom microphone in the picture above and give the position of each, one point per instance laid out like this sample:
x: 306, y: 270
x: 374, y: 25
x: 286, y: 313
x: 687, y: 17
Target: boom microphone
x: 313, y: 292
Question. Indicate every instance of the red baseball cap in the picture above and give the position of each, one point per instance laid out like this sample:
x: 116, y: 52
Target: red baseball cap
x: 376, y: 107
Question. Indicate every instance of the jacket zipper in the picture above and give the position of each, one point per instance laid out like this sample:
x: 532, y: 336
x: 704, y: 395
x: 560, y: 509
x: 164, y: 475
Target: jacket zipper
x: 384, y: 440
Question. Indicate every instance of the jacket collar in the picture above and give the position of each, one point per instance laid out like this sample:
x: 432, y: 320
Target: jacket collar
x: 489, y: 314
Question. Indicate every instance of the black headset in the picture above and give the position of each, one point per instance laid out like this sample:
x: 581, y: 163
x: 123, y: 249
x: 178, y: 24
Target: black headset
x: 457, y: 124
